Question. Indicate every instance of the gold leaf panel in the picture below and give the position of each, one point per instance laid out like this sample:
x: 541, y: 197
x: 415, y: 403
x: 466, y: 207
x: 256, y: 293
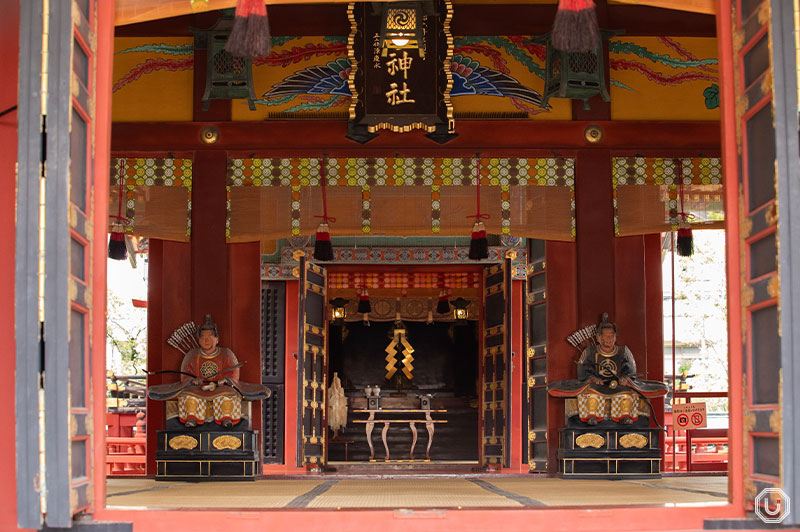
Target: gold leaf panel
x: 183, y: 442
x: 633, y: 440
x: 590, y: 440
x: 227, y: 442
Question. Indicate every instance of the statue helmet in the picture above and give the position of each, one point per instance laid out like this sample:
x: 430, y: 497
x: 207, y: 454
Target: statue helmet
x: 208, y: 325
x: 605, y: 324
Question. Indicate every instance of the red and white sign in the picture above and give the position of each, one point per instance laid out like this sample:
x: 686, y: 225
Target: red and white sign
x: 689, y: 416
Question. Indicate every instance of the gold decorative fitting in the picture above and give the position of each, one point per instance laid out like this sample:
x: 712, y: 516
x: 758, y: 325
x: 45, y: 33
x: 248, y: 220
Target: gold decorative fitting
x: 511, y: 254
x: 533, y: 466
x: 593, y: 134
x: 738, y: 39
x: 747, y: 295
x: 633, y: 440
x: 749, y: 421
x: 766, y: 84
x: 763, y: 13
x: 298, y: 254
x: 227, y: 442
x: 209, y: 135
x: 771, y: 214
x: 776, y: 420
x: 531, y: 381
x: 531, y: 435
x: 590, y: 439
x: 183, y: 442
x: 774, y: 286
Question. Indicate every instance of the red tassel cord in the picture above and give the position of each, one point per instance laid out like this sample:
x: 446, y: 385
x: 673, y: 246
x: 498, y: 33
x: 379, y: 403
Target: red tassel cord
x: 575, y: 28
x: 117, y: 249
x: 443, y: 305
x: 323, y: 249
x: 250, y: 36
x: 479, y: 244
x: 364, y: 305
x: 685, y: 241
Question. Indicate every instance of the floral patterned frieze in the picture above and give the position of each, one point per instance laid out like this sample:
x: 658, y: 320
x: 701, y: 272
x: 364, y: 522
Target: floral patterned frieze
x: 418, y: 256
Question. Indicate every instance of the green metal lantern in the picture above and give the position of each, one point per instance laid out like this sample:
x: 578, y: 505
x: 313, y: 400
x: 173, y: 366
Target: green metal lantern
x: 574, y: 75
x: 227, y: 77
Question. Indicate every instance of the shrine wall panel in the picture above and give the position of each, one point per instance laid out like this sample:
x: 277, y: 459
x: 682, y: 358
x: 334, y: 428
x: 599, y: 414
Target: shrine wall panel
x: 152, y: 79
x: 501, y: 76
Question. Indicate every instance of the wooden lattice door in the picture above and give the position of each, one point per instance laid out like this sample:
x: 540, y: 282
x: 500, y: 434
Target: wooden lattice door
x: 313, y: 371
x: 494, y: 361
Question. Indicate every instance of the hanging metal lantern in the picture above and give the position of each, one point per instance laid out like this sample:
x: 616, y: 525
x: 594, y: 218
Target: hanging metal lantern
x: 460, y: 310
x: 574, y: 75
x: 227, y: 77
x: 338, y: 310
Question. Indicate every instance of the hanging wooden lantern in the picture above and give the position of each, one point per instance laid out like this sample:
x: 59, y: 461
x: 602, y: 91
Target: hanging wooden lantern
x: 228, y: 77
x: 574, y: 75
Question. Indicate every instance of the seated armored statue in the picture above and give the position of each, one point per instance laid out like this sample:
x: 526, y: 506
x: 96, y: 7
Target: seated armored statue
x: 607, y: 386
x: 209, y: 383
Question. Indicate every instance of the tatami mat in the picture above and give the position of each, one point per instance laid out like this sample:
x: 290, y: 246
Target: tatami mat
x: 408, y: 493
x: 572, y: 492
x: 414, y: 492
x: 257, y: 494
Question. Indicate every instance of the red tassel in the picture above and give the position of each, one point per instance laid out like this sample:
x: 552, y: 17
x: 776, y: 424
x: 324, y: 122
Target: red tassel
x: 685, y: 242
x: 117, y: 249
x: 323, y: 249
x: 364, y: 305
x: 479, y: 245
x: 575, y: 28
x: 250, y: 36
x: 443, y: 306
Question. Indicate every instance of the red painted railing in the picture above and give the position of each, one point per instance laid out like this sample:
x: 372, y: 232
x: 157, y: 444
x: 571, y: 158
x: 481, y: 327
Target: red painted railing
x: 697, y: 449
x: 125, y: 455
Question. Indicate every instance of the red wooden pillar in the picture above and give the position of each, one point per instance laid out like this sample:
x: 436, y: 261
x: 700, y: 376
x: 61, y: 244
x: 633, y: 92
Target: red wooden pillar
x: 9, y: 40
x: 244, y: 300
x: 562, y: 314
x: 654, y: 307
x: 594, y: 219
x: 168, y: 307
x: 209, y: 250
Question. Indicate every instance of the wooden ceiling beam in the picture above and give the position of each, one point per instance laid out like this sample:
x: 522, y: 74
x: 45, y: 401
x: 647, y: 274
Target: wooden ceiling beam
x: 468, y: 19
x: 498, y: 137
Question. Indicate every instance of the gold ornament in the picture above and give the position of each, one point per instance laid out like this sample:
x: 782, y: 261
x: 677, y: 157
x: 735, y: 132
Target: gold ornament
x: 183, y: 442
x: 227, y: 442
x: 590, y: 439
x: 633, y: 440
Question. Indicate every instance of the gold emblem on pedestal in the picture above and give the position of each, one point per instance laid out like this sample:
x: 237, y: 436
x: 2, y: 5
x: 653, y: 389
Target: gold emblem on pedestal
x: 590, y: 440
x: 227, y: 442
x: 633, y: 440
x: 183, y: 442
